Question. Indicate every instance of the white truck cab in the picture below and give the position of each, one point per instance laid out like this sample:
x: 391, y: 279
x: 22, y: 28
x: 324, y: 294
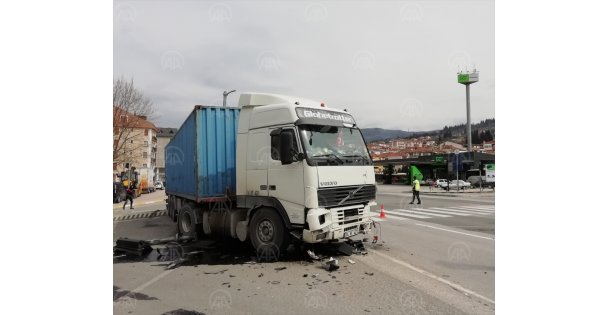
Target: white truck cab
x: 307, y: 161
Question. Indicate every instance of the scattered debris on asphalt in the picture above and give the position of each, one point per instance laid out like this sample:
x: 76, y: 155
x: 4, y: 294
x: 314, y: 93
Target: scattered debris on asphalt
x: 369, y: 273
x: 280, y: 268
x: 312, y: 255
x: 351, y: 261
x: 261, y: 275
x: 331, y: 265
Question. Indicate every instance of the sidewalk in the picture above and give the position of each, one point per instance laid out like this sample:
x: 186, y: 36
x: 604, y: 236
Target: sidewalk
x: 426, y: 190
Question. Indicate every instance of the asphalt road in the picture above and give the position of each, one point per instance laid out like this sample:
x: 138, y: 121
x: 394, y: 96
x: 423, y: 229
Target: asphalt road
x: 431, y: 265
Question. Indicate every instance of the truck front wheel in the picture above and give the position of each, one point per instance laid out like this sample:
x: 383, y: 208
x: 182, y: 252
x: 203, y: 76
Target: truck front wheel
x: 186, y: 222
x: 267, y: 231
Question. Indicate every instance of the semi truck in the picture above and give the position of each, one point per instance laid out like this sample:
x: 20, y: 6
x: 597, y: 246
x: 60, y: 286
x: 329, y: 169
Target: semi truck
x: 274, y: 170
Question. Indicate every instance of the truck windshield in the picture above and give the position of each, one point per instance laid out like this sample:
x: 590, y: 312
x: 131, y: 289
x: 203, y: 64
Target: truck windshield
x: 331, y: 145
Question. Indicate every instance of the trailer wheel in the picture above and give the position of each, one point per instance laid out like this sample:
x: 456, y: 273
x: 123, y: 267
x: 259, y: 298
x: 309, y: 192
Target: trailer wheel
x: 186, y: 222
x: 266, y: 230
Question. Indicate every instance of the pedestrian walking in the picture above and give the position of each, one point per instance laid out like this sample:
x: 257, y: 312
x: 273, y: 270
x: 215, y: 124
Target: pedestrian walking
x: 415, y: 191
x: 130, y: 193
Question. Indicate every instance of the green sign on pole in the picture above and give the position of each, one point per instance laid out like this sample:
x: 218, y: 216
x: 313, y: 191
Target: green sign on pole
x: 463, y: 78
x: 439, y: 159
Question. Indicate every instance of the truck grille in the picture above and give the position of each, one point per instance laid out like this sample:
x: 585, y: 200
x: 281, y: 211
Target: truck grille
x: 342, y: 196
x: 348, y: 216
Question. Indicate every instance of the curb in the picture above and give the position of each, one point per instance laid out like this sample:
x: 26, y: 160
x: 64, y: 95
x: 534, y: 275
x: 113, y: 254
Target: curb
x: 143, y: 215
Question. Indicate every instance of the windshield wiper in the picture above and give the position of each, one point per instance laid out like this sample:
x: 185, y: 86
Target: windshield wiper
x: 330, y: 155
x: 357, y: 156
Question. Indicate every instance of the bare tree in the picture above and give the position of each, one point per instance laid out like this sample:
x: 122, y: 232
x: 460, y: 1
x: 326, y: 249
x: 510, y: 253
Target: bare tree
x: 131, y: 109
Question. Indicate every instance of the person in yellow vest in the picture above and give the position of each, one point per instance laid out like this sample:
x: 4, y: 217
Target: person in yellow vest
x: 416, y: 190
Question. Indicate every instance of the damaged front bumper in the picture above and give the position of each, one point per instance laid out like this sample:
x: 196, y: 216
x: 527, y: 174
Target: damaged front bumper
x: 337, y: 223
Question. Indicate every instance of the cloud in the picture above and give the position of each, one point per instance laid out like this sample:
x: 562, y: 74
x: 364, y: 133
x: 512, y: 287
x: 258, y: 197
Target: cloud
x: 368, y: 56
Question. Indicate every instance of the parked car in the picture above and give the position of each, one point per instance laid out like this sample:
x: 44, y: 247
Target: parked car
x: 456, y: 184
x: 120, y: 193
x: 427, y: 182
x: 159, y: 185
x: 441, y: 183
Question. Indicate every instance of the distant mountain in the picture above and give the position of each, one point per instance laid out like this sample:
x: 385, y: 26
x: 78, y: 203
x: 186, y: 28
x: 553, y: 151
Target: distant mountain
x: 375, y: 134
x: 447, y: 133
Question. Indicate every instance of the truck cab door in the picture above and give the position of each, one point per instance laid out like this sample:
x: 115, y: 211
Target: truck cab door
x: 286, y: 181
x: 258, y: 152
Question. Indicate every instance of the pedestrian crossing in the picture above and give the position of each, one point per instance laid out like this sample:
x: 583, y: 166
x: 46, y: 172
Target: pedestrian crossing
x: 420, y: 212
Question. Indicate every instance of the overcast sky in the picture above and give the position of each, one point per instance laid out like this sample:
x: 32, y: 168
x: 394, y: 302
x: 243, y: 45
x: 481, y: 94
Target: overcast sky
x: 392, y: 64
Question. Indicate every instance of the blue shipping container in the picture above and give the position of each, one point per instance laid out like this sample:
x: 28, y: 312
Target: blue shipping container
x: 200, y: 160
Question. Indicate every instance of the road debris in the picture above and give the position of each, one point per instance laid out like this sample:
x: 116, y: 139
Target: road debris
x: 331, y: 265
x: 351, y: 261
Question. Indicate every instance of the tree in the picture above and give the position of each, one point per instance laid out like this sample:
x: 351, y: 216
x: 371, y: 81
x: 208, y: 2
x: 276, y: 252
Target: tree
x: 130, y: 107
x: 389, y: 170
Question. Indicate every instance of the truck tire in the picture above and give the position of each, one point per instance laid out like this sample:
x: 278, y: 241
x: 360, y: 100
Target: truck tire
x: 186, y: 221
x: 267, y: 229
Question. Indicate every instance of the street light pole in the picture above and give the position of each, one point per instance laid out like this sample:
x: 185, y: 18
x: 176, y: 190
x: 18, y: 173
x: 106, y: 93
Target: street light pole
x: 226, y: 95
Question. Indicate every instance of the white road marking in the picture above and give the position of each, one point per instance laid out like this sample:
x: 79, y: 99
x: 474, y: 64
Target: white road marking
x: 390, y: 217
x: 462, y: 211
x: 450, y: 212
x: 473, y: 210
x: 457, y: 232
x: 406, y: 214
x: 432, y: 276
x: 423, y: 212
x: 149, y: 283
x: 488, y: 207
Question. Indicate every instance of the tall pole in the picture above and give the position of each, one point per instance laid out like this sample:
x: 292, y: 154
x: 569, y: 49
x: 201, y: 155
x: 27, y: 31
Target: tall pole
x: 467, y: 79
x: 469, y: 141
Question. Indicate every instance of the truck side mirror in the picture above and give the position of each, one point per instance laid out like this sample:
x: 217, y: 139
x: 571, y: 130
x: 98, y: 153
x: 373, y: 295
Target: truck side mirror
x: 287, y: 149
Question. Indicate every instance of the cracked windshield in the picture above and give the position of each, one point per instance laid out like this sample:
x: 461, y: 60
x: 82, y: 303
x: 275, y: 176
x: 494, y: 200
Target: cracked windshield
x: 334, y: 145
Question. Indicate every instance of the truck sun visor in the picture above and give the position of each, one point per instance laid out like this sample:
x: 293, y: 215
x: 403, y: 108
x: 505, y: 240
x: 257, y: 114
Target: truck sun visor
x: 325, y: 115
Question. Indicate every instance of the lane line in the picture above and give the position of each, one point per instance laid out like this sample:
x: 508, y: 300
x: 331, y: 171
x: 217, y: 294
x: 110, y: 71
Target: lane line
x: 149, y: 283
x: 457, y: 232
x: 448, y: 212
x: 469, y: 211
x: 474, y: 210
x: 477, y: 208
x: 417, y: 211
x: 482, y: 207
x: 432, y: 276
x: 460, y: 210
x: 393, y: 214
x: 407, y: 215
